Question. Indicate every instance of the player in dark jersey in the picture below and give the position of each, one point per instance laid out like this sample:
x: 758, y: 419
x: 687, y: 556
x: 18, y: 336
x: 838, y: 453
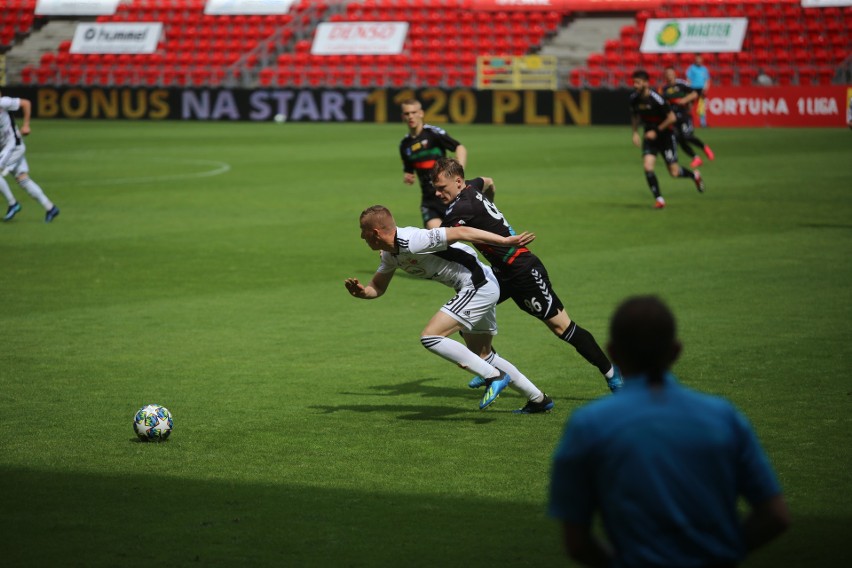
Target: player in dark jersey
x: 521, y: 274
x: 419, y: 149
x: 680, y: 97
x: 648, y: 108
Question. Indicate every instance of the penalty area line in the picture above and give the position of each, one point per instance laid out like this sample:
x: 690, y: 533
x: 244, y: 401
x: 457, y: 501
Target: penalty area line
x: 216, y: 168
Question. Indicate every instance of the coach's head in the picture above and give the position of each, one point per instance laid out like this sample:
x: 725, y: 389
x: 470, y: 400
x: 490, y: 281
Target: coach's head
x: 642, y: 338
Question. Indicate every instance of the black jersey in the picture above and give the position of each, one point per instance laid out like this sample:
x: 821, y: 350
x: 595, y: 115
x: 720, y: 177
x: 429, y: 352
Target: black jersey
x: 472, y: 209
x: 420, y: 152
x: 674, y: 94
x: 651, y: 110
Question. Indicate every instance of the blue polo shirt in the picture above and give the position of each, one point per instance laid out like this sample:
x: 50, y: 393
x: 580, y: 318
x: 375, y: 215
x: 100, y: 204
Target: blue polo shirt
x: 664, y: 467
x: 697, y: 75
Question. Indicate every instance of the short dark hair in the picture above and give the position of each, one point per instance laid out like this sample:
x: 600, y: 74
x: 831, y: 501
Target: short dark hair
x: 643, y: 333
x: 641, y: 74
x: 450, y: 167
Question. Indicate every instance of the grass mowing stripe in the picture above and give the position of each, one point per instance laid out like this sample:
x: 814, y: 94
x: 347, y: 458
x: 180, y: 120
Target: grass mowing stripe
x: 312, y: 429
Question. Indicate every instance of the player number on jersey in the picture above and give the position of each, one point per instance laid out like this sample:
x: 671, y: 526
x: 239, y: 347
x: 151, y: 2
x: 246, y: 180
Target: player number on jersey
x: 533, y: 304
x: 492, y: 209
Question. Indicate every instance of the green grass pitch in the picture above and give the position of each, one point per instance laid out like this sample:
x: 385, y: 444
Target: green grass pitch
x: 201, y: 266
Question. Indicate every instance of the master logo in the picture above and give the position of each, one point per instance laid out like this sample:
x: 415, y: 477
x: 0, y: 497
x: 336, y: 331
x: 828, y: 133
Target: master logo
x: 669, y: 35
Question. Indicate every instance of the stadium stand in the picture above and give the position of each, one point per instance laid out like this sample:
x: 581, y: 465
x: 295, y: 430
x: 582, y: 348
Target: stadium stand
x: 795, y: 45
x: 17, y: 19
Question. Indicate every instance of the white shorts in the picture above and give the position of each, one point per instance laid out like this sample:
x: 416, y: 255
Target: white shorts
x: 17, y: 162
x: 476, y: 308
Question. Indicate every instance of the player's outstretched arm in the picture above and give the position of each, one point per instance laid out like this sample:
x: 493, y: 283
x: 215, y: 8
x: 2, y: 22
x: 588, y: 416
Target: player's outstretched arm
x: 377, y: 286
x: 668, y: 121
x: 488, y: 188
x: 461, y: 155
x: 27, y: 109
x: 634, y: 121
x: 479, y: 236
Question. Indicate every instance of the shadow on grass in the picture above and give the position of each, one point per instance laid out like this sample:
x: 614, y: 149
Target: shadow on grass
x: 409, y: 412
x: 82, y: 519
x: 70, y: 519
x: 421, y: 387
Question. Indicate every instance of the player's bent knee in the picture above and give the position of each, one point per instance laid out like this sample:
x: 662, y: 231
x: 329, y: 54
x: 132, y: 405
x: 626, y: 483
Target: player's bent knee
x: 430, y: 341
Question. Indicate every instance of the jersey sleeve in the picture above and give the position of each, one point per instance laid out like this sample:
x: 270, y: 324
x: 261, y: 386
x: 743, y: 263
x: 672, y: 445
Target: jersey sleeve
x: 10, y: 103
x: 428, y: 240
x: 407, y: 166
x: 387, y: 264
x: 572, y: 479
x: 756, y: 478
x: 478, y: 184
x: 447, y: 141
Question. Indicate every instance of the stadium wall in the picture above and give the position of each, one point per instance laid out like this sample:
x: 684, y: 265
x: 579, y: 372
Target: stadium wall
x: 763, y: 106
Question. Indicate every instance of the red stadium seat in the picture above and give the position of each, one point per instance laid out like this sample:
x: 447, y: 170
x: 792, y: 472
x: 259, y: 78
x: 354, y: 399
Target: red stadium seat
x: 746, y: 75
x: 784, y: 75
x: 265, y: 77
x: 725, y: 76
x: 27, y: 75
x: 825, y: 75
x: 806, y: 75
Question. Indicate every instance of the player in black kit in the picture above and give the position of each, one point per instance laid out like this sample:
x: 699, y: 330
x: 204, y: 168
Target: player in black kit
x: 419, y: 149
x: 648, y: 108
x: 521, y: 274
x: 680, y: 97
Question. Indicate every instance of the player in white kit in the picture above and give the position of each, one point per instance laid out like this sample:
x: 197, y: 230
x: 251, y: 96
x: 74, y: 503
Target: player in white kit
x: 434, y: 254
x: 13, y: 160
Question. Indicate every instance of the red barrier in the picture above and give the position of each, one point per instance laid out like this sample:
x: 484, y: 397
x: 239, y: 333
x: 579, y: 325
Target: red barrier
x: 566, y: 5
x: 778, y: 106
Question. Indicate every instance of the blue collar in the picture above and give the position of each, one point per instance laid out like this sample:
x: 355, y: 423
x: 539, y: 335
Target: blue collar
x: 642, y: 379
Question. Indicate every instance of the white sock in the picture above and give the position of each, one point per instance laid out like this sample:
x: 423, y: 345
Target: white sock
x: 7, y: 191
x: 36, y: 193
x: 519, y: 381
x: 454, y: 351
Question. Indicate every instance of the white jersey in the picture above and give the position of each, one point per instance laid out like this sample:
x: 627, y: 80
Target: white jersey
x: 424, y: 253
x: 10, y: 136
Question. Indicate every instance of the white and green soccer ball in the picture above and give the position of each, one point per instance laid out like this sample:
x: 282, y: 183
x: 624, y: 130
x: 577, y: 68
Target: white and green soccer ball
x: 153, y: 423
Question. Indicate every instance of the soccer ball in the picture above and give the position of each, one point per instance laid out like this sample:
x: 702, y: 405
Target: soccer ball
x: 279, y: 118
x: 153, y: 423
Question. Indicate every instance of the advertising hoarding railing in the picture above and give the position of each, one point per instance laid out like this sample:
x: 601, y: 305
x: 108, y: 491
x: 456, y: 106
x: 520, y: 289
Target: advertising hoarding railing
x: 726, y: 106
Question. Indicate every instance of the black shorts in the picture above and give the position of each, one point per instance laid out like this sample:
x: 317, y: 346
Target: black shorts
x: 527, y: 283
x: 684, y: 125
x: 663, y: 144
x: 432, y: 208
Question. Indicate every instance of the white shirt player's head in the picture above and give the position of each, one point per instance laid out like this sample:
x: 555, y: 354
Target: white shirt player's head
x: 378, y: 228
x: 447, y: 179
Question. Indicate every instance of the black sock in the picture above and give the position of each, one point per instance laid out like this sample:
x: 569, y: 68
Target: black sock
x: 686, y: 148
x: 651, y: 178
x: 686, y: 173
x: 696, y: 140
x: 585, y: 344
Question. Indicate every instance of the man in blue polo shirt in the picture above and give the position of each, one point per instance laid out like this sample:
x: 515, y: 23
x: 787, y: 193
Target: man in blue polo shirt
x: 699, y: 79
x: 663, y: 464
